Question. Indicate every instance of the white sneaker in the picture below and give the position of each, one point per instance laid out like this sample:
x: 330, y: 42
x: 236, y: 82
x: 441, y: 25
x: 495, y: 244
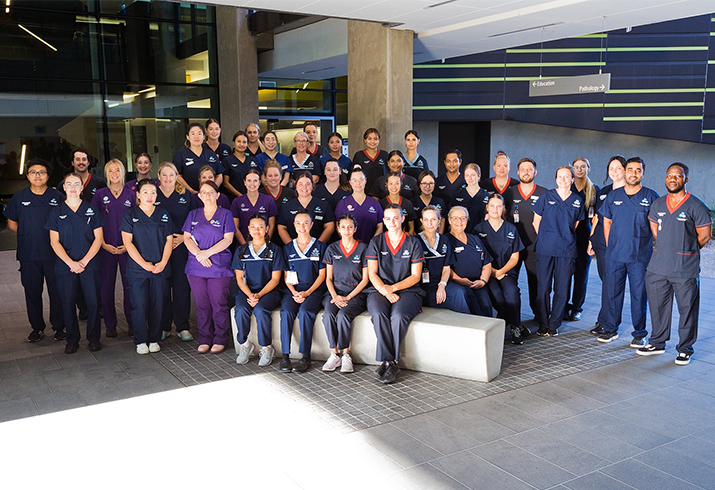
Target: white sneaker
x: 154, y: 347
x: 244, y: 352
x: 265, y: 357
x: 333, y: 362
x: 347, y: 366
x: 142, y: 349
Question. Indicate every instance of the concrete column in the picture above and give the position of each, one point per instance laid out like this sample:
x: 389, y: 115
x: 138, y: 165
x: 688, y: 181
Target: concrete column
x: 379, y: 83
x: 237, y: 71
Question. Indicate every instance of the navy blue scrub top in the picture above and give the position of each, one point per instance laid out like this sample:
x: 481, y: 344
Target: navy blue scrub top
x: 91, y: 186
x: 520, y: 211
x: 347, y: 265
x: 490, y: 185
x: 418, y: 205
x: 320, y: 212
x: 583, y: 232
x: 76, y: 230
x: 344, y: 162
x: 408, y: 187
x: 236, y: 170
x: 178, y: 206
x: 286, y: 194
x: 149, y: 237
x: 30, y: 212
x: 677, y: 252
x: 306, y: 263
x: 188, y: 165
x: 394, y: 265
x: 373, y: 168
x: 435, y: 260
x: 258, y: 265
x: 476, y: 206
x: 407, y: 210
x: 501, y: 244
x: 557, y: 237
x: 598, y: 240
x: 283, y: 160
x: 445, y: 190
x: 311, y: 164
x: 470, y: 257
x: 630, y: 238
x: 415, y: 167
x: 323, y: 194
x: 223, y: 150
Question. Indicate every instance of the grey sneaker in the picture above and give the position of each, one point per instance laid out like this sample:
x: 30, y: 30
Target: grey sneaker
x: 346, y: 365
x: 265, y: 357
x: 334, y: 361
x: 244, y: 352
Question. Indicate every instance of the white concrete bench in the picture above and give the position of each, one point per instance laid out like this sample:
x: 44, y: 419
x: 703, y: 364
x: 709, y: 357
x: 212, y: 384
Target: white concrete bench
x: 438, y: 341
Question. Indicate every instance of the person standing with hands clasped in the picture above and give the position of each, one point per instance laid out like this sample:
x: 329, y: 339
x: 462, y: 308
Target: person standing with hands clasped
x: 147, y: 236
x: 394, y: 264
x: 681, y: 225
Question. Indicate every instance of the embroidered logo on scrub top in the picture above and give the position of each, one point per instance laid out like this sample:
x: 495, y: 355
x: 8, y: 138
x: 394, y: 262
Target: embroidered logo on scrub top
x: 371, y: 210
x: 189, y: 161
x: 350, y: 207
x: 645, y: 202
x: 182, y: 200
x: 356, y: 259
x: 576, y: 203
x: 165, y: 218
x: 262, y: 209
x: 135, y: 220
x: 315, y: 254
x: 534, y: 199
x: 90, y: 212
x: 602, y: 197
x: 682, y: 217
x: 444, y: 248
x: 26, y: 203
x: 318, y: 210
x: 53, y: 202
x: 212, y: 159
x: 127, y: 203
x: 552, y: 202
x: 617, y: 203
x: 510, y: 235
x: 483, y: 235
x: 406, y: 253
x: 215, y: 223
x: 105, y: 199
x: 63, y: 216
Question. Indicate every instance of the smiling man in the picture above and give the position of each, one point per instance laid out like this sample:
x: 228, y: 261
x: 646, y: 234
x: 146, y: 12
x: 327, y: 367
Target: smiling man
x: 681, y: 225
x: 90, y: 182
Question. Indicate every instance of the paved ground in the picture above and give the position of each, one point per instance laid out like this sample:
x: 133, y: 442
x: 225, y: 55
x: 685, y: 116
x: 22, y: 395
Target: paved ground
x: 566, y: 412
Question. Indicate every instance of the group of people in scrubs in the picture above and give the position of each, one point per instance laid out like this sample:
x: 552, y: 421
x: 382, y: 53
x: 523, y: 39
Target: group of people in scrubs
x: 316, y: 230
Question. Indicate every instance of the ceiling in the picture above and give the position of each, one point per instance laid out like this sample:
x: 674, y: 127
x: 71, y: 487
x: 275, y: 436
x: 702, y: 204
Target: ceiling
x: 448, y: 28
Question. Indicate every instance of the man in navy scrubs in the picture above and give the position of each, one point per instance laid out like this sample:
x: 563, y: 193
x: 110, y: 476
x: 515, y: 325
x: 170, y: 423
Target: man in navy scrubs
x: 449, y: 183
x: 27, y: 213
x: 681, y: 225
x: 629, y: 245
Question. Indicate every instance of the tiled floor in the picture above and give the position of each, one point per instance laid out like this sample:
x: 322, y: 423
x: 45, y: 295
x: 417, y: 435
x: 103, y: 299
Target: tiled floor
x: 566, y: 412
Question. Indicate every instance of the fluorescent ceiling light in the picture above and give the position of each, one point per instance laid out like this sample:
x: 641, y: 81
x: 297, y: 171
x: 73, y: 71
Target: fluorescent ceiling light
x: 36, y: 36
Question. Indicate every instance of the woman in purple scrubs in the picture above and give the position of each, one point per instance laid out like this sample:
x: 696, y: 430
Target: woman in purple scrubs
x: 112, y: 201
x: 205, y: 174
x: 366, y: 210
x: 208, y: 232
x: 252, y: 202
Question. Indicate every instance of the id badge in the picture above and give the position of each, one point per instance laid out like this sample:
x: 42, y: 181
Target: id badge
x: 425, y: 277
x: 516, y: 217
x: 590, y: 213
x: 292, y: 278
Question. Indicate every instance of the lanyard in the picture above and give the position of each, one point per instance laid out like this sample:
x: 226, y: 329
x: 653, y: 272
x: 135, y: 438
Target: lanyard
x: 436, y: 243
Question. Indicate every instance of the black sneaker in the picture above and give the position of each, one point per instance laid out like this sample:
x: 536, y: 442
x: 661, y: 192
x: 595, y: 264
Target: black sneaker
x: 683, y: 359
x: 286, y: 366
x: 597, y: 330
x: 71, y: 348
x: 390, y: 373
x: 302, y: 365
x: 638, y: 343
x: 516, y: 336
x: 83, y: 315
x: 94, y: 346
x: 650, y: 350
x: 60, y: 335
x: 380, y: 371
x: 606, y: 337
x: 111, y: 332
x: 525, y: 333
x: 35, y: 336
x: 552, y: 332
x: 542, y: 332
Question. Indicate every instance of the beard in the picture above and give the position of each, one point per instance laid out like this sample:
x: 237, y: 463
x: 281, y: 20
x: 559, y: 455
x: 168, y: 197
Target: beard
x: 676, y: 190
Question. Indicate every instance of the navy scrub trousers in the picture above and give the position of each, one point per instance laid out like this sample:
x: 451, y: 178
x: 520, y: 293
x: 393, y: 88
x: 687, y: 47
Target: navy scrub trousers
x: 69, y: 283
x: 33, y: 274
x: 660, y: 291
x: 391, y: 321
x: 338, y: 322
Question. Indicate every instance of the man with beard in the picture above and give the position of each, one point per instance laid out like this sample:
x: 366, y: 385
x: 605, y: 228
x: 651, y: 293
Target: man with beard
x: 90, y: 182
x: 519, y: 201
x: 629, y: 245
x: 681, y: 225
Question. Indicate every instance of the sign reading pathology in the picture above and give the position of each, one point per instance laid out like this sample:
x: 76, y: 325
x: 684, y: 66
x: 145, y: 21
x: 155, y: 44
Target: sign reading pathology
x: 586, y: 84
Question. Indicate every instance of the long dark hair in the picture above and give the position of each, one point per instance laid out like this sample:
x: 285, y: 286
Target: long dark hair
x: 267, y: 237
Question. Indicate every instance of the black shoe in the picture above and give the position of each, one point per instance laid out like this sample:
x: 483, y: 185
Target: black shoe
x: 606, y: 337
x: 94, y: 346
x: 552, y: 332
x: 525, y: 333
x: 83, y: 315
x: 60, y: 335
x: 542, y: 332
x: 683, y: 359
x: 35, y: 336
x: 71, y: 348
x: 576, y: 316
x: 111, y: 332
x: 286, y: 366
x: 390, y: 373
x: 302, y: 365
x: 597, y: 330
x: 380, y: 371
x: 567, y: 313
x: 516, y: 336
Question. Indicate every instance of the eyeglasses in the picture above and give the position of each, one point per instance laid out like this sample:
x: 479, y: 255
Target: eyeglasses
x: 207, y: 193
x: 427, y: 183
x: 300, y: 142
x: 37, y: 172
x: 357, y: 181
x: 458, y: 219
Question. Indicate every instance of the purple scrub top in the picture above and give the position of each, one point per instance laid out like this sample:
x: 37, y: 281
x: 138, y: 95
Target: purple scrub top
x: 208, y: 233
x: 242, y: 209
x: 368, y: 216
x: 112, y: 210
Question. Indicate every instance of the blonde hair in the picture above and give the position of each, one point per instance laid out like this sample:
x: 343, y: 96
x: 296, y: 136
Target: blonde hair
x: 177, y: 186
x: 475, y: 167
x: 590, y: 188
x: 122, y: 170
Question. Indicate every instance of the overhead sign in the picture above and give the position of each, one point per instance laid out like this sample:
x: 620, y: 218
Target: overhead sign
x: 586, y: 84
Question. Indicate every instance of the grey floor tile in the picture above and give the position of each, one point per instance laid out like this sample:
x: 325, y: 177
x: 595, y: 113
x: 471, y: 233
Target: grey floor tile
x: 435, y: 434
x: 598, y: 481
x: 592, y: 390
x: 476, y: 473
x: 105, y: 372
x: 424, y: 476
x: 9, y: 368
x: 469, y: 423
x: 644, y: 477
x: 680, y: 466
x: 66, y: 379
x: 535, y: 470
x: 698, y: 446
x: 498, y: 412
x: 56, y: 402
x: 101, y: 393
x: 37, y: 364
x: 607, y: 447
x: 548, y: 390
x: 567, y: 456
x: 534, y: 405
x: 23, y: 386
x: 141, y: 386
x: 17, y: 409
x: 80, y: 358
x: 637, y: 435
x: 398, y: 446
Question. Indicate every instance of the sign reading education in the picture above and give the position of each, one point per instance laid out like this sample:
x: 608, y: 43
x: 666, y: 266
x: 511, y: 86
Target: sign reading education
x: 586, y: 84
